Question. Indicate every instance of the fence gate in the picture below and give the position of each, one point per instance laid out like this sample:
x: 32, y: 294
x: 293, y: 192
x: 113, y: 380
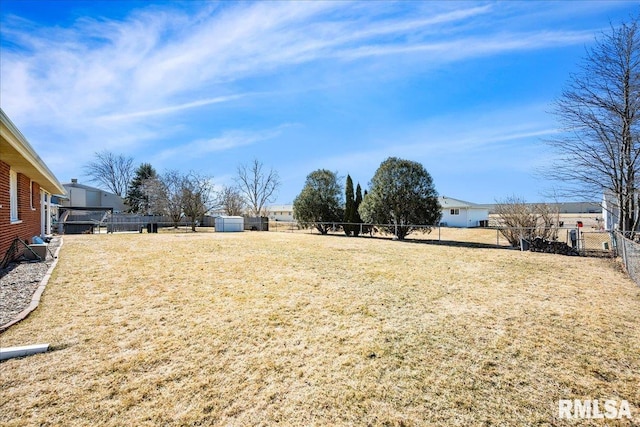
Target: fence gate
x: 596, y: 243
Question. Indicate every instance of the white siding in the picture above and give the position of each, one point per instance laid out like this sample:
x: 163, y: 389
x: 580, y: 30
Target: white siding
x: 477, y: 215
x: 467, y: 217
x: 280, y: 212
x: 610, y: 212
x: 459, y: 220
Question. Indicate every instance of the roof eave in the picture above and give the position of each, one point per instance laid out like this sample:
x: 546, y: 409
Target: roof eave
x: 20, y: 155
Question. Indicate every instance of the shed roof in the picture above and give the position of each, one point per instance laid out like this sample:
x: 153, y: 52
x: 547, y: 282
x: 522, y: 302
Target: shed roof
x: 16, y: 151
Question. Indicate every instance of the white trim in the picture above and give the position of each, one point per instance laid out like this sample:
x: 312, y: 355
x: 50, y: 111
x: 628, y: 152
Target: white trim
x: 47, y: 226
x: 43, y: 212
x: 13, y: 197
x: 33, y: 208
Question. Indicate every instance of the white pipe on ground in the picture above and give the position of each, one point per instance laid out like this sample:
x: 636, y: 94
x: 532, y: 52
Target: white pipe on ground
x: 26, y: 350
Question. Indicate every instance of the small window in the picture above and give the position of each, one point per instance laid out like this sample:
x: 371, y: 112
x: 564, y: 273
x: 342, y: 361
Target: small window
x: 455, y: 211
x: 13, y: 195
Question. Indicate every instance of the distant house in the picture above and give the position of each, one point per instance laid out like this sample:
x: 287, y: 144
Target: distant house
x: 84, y: 196
x: 610, y: 212
x: 564, y: 207
x: 26, y: 188
x: 458, y: 213
x: 280, y: 212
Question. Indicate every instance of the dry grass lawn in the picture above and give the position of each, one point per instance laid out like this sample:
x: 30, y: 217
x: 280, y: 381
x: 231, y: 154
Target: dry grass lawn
x: 299, y: 329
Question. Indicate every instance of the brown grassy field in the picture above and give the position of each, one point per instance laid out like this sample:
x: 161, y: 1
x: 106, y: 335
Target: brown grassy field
x: 298, y: 329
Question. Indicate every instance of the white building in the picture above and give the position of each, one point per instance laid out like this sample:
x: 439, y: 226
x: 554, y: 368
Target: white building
x: 458, y: 213
x: 610, y: 212
x: 280, y: 213
x: 84, y: 196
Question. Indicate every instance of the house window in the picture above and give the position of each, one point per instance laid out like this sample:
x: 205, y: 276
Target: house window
x: 455, y: 211
x: 13, y: 195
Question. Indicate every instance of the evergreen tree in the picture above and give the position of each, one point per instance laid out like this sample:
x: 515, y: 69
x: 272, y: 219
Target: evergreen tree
x: 356, y: 215
x: 349, y: 208
x: 138, y: 194
x: 320, y: 203
x: 402, y: 197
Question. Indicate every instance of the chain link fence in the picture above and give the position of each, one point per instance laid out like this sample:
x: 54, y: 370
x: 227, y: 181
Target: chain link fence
x: 597, y: 243
x: 629, y: 252
x: 586, y: 243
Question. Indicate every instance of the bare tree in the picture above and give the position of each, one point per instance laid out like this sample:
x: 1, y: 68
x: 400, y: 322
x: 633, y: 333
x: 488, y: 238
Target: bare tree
x: 154, y: 190
x: 599, y: 152
x: 172, y: 184
x: 198, y: 197
x: 232, y: 201
x: 257, y: 186
x: 112, y: 171
x: 519, y: 219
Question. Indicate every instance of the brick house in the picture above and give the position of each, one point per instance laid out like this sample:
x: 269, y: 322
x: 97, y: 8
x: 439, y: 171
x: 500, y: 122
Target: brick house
x: 26, y: 187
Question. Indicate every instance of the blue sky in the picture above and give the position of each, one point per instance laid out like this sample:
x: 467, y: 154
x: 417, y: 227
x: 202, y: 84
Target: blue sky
x: 465, y: 88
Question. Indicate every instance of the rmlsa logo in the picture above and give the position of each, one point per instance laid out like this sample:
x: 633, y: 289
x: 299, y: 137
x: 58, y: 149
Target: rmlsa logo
x: 612, y: 409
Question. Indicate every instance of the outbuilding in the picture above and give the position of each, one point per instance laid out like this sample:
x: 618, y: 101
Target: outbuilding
x: 229, y: 223
x: 458, y: 213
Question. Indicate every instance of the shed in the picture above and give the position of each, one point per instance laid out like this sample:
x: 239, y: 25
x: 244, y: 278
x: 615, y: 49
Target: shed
x: 229, y: 223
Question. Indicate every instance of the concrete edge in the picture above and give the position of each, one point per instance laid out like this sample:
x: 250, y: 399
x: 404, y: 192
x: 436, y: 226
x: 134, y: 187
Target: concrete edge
x: 35, y: 299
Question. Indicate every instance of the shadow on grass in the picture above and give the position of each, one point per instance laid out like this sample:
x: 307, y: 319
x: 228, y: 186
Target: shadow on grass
x: 451, y: 243
x: 457, y: 244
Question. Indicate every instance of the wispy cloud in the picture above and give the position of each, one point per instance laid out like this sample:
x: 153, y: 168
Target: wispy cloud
x: 171, y: 109
x: 228, y: 140
x: 193, y: 79
x: 470, y: 47
x: 161, y: 61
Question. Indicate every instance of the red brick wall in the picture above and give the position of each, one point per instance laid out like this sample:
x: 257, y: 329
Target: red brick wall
x: 30, y: 218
